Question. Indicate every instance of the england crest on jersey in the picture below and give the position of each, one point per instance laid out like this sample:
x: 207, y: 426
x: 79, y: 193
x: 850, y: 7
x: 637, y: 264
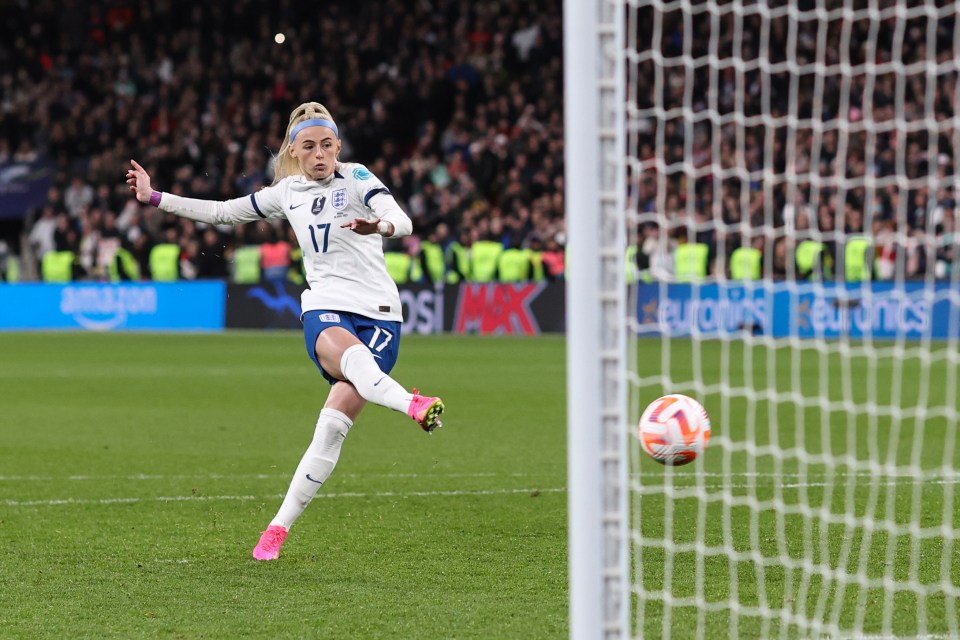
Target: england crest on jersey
x: 339, y: 199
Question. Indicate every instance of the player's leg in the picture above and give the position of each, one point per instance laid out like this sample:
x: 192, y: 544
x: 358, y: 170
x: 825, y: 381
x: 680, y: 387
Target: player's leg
x: 342, y: 407
x: 342, y: 355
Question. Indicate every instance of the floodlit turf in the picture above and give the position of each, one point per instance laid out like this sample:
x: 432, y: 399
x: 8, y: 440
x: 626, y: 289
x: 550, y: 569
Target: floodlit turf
x: 137, y: 471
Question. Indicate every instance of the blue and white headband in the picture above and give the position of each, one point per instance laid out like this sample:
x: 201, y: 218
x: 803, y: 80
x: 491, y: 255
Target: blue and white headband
x: 315, y: 122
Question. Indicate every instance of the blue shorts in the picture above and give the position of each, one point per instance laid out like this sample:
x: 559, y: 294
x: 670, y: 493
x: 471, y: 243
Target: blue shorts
x: 382, y: 337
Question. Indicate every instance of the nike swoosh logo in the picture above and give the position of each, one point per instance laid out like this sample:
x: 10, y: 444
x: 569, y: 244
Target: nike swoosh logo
x: 313, y: 480
x: 379, y: 381
x: 292, y: 207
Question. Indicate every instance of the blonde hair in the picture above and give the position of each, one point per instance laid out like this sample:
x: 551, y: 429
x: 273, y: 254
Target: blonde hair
x: 286, y: 165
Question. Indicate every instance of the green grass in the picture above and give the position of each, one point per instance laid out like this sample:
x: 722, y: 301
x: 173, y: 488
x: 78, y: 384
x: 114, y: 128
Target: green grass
x: 137, y: 470
x: 171, y: 454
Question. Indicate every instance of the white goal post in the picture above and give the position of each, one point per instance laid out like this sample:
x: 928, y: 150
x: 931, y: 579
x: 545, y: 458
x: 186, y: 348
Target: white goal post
x: 596, y: 307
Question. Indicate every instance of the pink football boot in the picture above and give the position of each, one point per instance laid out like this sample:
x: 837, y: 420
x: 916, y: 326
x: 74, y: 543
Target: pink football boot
x: 425, y: 411
x: 269, y: 546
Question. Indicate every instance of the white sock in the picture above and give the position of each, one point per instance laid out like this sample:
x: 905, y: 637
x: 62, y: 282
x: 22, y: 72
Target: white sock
x: 373, y: 385
x: 315, y: 467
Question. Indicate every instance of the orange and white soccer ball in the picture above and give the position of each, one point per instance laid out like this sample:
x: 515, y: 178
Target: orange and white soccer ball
x: 674, y: 429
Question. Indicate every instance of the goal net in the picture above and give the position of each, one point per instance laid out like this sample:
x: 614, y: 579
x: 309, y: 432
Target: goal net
x: 791, y: 171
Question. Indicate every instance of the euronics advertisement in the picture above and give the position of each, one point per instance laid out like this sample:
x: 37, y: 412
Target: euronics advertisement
x: 150, y: 306
x: 825, y: 310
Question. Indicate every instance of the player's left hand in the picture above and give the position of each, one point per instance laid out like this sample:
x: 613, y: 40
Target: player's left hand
x: 362, y: 226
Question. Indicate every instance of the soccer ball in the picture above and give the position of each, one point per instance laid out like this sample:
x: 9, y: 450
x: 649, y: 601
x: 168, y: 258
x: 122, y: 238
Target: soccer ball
x: 674, y: 429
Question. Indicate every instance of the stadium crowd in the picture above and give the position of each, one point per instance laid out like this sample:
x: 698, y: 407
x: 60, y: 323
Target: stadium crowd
x: 812, y: 160
x: 455, y: 105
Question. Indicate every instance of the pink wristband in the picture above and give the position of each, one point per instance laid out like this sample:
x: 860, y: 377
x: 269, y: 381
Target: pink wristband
x: 155, y: 198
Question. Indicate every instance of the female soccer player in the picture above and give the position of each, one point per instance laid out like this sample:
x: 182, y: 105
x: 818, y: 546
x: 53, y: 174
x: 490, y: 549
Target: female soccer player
x: 351, y: 311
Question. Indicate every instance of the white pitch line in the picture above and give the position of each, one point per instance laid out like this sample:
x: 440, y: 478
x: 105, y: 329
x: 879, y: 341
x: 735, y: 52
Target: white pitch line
x: 676, y: 475
x: 838, y: 484
x: 345, y: 494
x: 253, y: 476
x: 888, y: 483
x: 935, y: 636
x: 685, y: 475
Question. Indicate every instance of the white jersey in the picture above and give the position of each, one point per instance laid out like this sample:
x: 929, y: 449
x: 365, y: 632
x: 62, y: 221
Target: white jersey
x: 346, y: 271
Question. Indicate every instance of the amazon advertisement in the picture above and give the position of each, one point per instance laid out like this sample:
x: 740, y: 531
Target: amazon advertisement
x: 152, y: 306
x: 485, y: 309
x: 808, y: 310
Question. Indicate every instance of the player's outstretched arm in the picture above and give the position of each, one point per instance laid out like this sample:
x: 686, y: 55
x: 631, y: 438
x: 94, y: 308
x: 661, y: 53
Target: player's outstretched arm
x: 236, y: 211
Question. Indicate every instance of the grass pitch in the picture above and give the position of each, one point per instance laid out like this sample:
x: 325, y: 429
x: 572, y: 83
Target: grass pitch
x: 137, y: 471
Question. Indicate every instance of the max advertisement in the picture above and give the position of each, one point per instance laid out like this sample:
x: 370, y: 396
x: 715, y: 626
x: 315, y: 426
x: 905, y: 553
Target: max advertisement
x: 881, y: 310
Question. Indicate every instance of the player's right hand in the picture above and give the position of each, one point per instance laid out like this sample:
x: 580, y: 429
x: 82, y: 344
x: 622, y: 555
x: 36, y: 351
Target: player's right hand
x: 139, y: 181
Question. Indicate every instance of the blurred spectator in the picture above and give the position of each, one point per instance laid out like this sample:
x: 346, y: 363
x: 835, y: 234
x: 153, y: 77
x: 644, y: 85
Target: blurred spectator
x: 107, y: 245
x: 77, y: 196
x: 554, y: 260
x: 886, y: 249
x: 42, y: 234
x: 947, y: 250
x: 274, y: 254
x: 211, y: 262
x: 190, y: 260
x: 65, y: 236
